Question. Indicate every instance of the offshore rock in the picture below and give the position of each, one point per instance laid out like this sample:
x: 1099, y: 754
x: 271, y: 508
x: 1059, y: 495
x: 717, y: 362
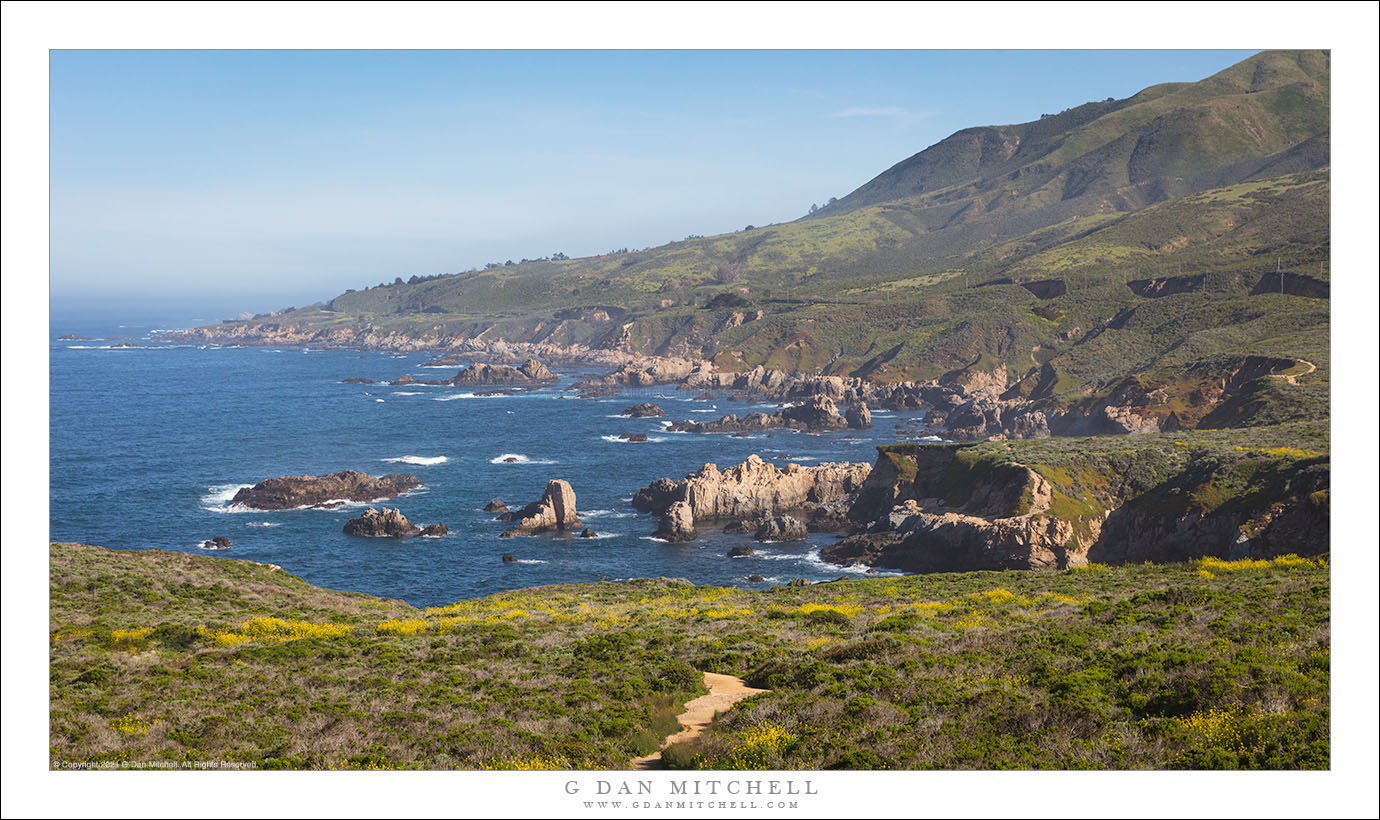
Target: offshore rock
x: 753, y: 488
x: 781, y: 528
x: 644, y: 411
x: 555, y: 512
x: 383, y: 523
x: 677, y: 523
x: 287, y: 492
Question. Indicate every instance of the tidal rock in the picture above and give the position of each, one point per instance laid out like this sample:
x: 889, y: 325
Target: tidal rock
x: 588, y: 533
x: 220, y: 542
x: 554, y: 512
x: 798, y: 582
x: 530, y: 373
x: 508, y: 558
x: 740, y: 552
x: 781, y: 528
x: 633, y: 436
x: 383, y: 523
x: 644, y: 411
x: 510, y: 460
x: 434, y: 531
x: 287, y: 492
x: 677, y: 523
x: 859, y: 417
x: 356, y: 380
x: 754, y: 488
x: 495, y: 506
x: 756, y: 579
x: 816, y: 414
x: 444, y: 361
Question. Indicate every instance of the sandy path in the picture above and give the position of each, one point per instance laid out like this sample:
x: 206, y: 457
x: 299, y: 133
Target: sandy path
x: 1294, y: 379
x: 724, y: 691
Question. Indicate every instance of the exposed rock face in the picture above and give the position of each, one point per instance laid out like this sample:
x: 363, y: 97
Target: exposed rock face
x: 287, y: 492
x: 753, y: 488
x: 741, y: 552
x: 356, y: 380
x: 781, y: 528
x: 383, y: 523
x: 588, y: 533
x: 531, y: 372
x: 495, y: 506
x: 434, y: 531
x: 859, y: 417
x: 555, y: 512
x: 645, y: 371
x: 220, y: 542
x: 633, y: 436
x: 816, y: 414
x: 926, y: 510
x: 644, y: 411
x: 508, y: 558
x: 677, y: 523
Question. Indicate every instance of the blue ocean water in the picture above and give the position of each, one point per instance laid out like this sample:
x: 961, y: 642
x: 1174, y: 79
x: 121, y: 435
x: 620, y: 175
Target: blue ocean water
x: 148, y: 444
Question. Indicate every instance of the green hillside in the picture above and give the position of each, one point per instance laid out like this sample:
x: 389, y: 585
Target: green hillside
x: 1168, y: 236
x: 161, y: 656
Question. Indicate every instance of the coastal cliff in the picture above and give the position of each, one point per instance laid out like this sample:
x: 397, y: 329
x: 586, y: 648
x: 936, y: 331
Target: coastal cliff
x: 1039, y: 505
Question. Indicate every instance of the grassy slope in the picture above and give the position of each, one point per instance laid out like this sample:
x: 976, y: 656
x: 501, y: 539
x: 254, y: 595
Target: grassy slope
x: 163, y: 656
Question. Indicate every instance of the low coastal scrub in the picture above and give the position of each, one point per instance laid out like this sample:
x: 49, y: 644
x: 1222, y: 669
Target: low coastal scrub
x: 1208, y: 664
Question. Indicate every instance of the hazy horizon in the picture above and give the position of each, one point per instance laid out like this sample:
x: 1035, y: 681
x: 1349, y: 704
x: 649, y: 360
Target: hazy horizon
x: 209, y: 183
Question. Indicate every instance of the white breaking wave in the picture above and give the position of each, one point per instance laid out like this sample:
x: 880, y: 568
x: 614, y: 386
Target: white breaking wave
x: 812, y: 559
x: 217, y: 498
x: 529, y: 561
x: 454, y: 396
x: 617, y: 440
x: 407, y: 393
x: 422, y: 461
x: 263, y: 524
x: 654, y: 538
x: 519, y: 458
x: 378, y: 399
x: 607, y: 514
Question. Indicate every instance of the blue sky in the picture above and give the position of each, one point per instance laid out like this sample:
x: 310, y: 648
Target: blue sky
x: 221, y: 181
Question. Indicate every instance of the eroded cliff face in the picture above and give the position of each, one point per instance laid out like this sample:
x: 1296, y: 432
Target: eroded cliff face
x: 958, y: 508
x: 933, y: 509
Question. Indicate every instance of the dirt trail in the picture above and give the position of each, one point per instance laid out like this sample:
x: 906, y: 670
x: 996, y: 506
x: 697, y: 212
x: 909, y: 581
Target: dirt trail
x: 1294, y: 379
x: 724, y: 691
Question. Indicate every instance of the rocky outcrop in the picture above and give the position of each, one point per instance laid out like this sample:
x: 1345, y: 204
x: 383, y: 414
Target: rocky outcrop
x: 288, y: 492
x: 495, y: 506
x: 634, y: 437
x: 753, y: 488
x: 643, y: 411
x: 220, y: 542
x: 356, y: 380
x: 645, y: 371
x: 859, y: 417
x: 531, y: 372
x: 434, y: 531
x: 588, y: 533
x: 554, y: 512
x: 677, y: 523
x: 384, y: 523
x: 741, y: 552
x: 781, y: 528
x: 816, y: 414
x: 955, y: 508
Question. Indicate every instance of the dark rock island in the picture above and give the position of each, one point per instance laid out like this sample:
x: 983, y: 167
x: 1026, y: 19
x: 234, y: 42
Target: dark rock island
x: 288, y: 492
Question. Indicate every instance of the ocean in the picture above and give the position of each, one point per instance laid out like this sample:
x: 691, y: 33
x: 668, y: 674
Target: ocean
x: 149, y: 443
